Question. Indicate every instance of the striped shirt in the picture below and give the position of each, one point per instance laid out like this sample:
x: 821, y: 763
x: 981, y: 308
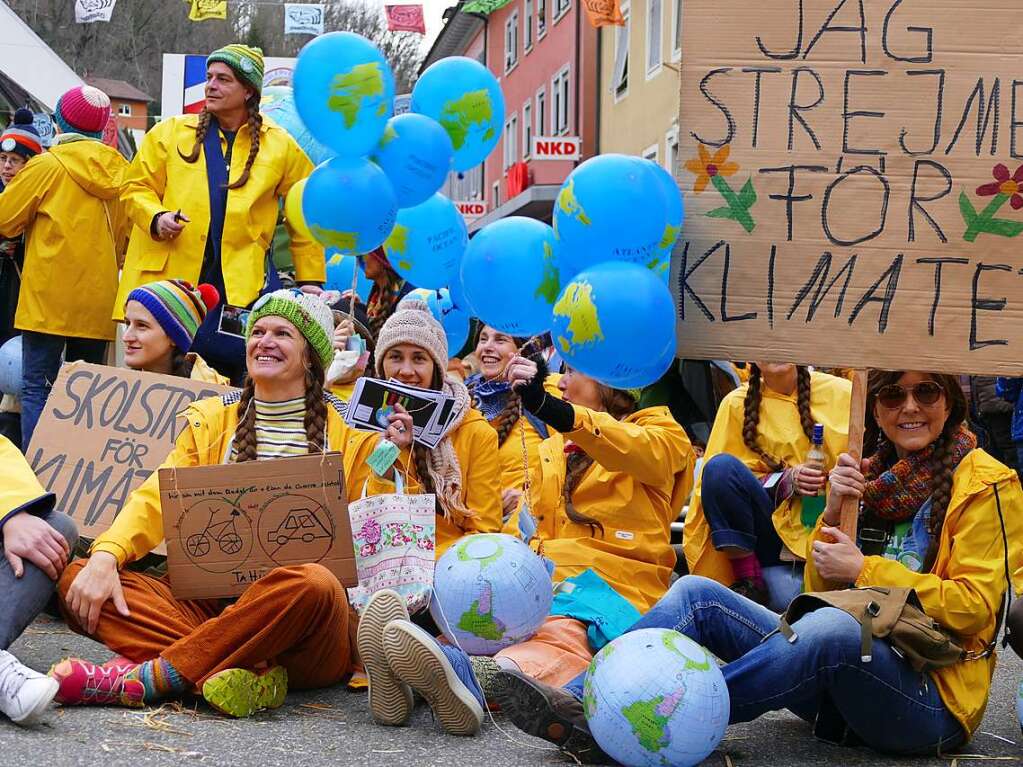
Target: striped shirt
x: 280, y: 429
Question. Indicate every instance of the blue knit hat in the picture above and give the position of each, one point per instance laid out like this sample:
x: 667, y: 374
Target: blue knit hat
x: 177, y: 307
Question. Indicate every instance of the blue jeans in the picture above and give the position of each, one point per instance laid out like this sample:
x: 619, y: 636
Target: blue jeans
x: 40, y: 363
x: 25, y: 597
x: 738, y: 509
x: 885, y: 703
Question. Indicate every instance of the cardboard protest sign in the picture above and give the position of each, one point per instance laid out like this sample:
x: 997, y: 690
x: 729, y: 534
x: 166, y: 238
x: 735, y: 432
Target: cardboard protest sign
x: 102, y: 432
x: 226, y: 526
x: 853, y: 182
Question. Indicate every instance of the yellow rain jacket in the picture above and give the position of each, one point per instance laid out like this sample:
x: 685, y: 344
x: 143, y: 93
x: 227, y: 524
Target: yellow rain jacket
x: 642, y: 470
x: 513, y: 472
x: 201, y: 371
x: 66, y: 202
x: 160, y: 180
x: 781, y: 436
x: 20, y: 490
x: 965, y: 586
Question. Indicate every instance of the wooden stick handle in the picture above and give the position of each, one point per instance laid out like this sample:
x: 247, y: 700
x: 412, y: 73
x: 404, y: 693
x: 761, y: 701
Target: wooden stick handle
x: 857, y: 413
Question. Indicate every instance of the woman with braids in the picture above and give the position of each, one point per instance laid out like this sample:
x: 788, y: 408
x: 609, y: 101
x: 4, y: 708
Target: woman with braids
x: 745, y: 526
x: 610, y: 481
x: 161, y: 320
x: 387, y: 291
x: 203, y: 192
x: 295, y: 619
x: 941, y: 517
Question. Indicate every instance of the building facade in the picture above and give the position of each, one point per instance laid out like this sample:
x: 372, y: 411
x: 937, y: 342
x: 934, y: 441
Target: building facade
x: 128, y: 104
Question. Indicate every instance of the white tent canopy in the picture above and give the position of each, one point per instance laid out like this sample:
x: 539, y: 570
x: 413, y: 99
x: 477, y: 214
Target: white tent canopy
x: 30, y: 62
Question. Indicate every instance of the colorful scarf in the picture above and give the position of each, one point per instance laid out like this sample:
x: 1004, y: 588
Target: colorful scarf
x: 895, y: 493
x: 382, y: 301
x: 491, y: 397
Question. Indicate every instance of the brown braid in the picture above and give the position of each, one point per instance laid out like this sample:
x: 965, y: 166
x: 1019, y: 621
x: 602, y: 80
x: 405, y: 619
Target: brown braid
x: 751, y: 413
x: 803, y: 401
x: 200, y: 136
x: 245, y: 445
x: 315, y: 407
x: 508, y: 417
x: 255, y: 124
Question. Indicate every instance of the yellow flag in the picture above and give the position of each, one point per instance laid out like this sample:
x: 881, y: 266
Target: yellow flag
x: 204, y: 10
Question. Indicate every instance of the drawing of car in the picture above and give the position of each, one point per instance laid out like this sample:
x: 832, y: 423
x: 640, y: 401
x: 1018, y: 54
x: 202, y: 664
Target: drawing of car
x: 300, y: 525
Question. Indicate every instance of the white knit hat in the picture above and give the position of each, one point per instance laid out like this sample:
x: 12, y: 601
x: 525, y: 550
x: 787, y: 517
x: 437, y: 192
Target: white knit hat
x: 310, y: 314
x: 413, y: 323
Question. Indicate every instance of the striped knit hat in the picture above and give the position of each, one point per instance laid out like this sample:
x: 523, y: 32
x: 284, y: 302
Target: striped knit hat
x: 84, y: 110
x: 178, y: 307
x: 246, y: 62
x: 21, y: 136
x: 310, y: 315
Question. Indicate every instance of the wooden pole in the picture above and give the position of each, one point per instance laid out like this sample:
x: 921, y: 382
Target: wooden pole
x: 857, y: 413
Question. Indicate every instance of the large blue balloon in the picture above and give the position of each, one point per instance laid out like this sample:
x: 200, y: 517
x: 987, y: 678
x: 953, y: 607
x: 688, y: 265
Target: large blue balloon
x: 339, y: 275
x: 610, y: 208
x: 10, y: 366
x: 454, y: 320
x: 349, y: 205
x: 416, y: 154
x: 466, y: 99
x: 674, y: 210
x: 278, y: 103
x: 344, y: 90
x: 649, y: 375
x: 510, y: 275
x: 615, y: 322
x: 428, y: 242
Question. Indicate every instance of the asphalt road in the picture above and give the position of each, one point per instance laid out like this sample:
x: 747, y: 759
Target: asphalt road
x: 334, y: 727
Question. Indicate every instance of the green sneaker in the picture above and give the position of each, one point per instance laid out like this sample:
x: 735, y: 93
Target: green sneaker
x: 239, y: 692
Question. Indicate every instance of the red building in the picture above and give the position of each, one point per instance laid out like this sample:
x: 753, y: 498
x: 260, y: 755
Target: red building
x: 544, y: 54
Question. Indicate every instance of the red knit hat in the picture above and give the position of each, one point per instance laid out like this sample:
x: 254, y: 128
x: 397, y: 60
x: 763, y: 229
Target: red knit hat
x: 84, y: 110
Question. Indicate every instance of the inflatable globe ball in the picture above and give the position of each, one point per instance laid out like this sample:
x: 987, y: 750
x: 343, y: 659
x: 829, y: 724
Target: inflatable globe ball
x: 10, y: 366
x: 655, y: 697
x: 490, y: 591
x: 416, y: 154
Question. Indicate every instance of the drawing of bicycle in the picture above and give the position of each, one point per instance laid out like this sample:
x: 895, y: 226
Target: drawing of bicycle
x: 223, y: 534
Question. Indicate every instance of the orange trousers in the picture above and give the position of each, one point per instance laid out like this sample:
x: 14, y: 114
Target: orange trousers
x: 297, y: 617
x: 556, y: 654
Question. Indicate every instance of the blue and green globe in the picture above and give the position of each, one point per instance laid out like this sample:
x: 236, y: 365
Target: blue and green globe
x: 490, y: 591
x: 655, y: 697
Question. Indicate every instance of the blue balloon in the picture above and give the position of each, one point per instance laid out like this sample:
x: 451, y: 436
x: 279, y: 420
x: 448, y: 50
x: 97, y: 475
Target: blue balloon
x: 10, y: 366
x: 339, y: 275
x: 674, y: 210
x: 650, y: 375
x: 416, y: 154
x: 615, y: 322
x: 278, y: 103
x: 510, y: 275
x: 454, y: 320
x: 610, y: 208
x: 466, y: 99
x: 428, y: 242
x: 344, y: 91
x: 349, y: 206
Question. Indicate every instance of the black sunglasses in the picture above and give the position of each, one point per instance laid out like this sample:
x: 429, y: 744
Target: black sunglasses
x: 894, y: 396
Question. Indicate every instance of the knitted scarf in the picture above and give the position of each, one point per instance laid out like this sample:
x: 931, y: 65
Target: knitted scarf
x: 896, y: 492
x: 491, y: 397
x: 382, y: 301
x: 445, y: 469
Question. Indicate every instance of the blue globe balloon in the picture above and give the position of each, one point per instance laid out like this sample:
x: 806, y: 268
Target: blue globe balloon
x: 466, y: 99
x: 614, y: 322
x: 340, y: 269
x: 416, y: 154
x: 610, y: 208
x: 648, y: 376
x: 673, y: 207
x: 278, y: 103
x: 349, y: 205
x: 10, y: 366
x: 510, y: 275
x: 428, y: 242
x: 453, y: 319
x: 344, y: 90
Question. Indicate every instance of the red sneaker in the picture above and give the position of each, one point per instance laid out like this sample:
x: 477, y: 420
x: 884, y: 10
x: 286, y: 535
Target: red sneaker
x: 87, y: 684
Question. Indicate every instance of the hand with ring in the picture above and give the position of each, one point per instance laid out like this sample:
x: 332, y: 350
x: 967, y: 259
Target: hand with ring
x: 399, y: 429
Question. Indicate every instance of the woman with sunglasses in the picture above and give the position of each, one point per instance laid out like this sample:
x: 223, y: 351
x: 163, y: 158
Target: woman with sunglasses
x: 750, y: 519
x: 942, y: 517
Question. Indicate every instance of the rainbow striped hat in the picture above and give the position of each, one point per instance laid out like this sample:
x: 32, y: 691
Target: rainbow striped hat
x: 178, y: 307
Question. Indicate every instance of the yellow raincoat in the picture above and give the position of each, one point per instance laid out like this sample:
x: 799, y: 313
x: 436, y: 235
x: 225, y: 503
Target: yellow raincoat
x: 781, y: 436
x: 201, y: 371
x: 20, y: 490
x: 160, y: 180
x: 642, y: 471
x: 66, y: 202
x: 964, y: 588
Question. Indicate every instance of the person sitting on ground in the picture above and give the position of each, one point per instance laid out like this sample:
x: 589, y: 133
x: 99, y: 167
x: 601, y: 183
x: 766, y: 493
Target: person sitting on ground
x: 604, y: 495
x: 745, y: 526
x: 942, y: 522
x: 296, y: 616
x: 161, y: 320
x: 35, y: 543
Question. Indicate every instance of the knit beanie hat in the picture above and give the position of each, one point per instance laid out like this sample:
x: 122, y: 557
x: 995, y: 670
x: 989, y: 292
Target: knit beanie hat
x: 21, y: 136
x: 178, y: 307
x: 246, y: 62
x: 84, y: 110
x: 310, y: 314
x: 413, y: 323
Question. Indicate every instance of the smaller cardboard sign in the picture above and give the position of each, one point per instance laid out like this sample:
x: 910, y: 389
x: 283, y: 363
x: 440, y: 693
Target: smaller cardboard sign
x: 229, y: 525
x: 557, y: 148
x: 471, y: 209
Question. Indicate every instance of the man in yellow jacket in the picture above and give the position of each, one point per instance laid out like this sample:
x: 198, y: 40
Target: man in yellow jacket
x: 66, y: 203
x: 203, y: 193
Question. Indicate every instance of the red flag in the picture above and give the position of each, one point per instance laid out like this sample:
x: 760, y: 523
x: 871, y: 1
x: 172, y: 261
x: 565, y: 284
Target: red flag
x: 405, y: 18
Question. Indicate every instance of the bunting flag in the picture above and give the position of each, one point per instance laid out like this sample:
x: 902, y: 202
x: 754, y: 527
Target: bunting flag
x: 205, y: 10
x: 88, y: 11
x: 484, y: 7
x: 604, y: 13
x: 303, y: 18
x: 405, y: 18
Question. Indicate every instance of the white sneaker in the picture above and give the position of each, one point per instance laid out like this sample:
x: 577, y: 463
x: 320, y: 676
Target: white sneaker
x: 24, y: 694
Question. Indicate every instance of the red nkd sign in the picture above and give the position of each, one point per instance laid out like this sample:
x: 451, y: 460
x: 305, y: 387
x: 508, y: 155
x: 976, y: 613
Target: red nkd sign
x: 559, y: 148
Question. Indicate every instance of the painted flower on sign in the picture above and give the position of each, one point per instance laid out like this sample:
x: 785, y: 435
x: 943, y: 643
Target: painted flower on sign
x: 707, y: 167
x: 1005, y: 184
x: 713, y: 170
